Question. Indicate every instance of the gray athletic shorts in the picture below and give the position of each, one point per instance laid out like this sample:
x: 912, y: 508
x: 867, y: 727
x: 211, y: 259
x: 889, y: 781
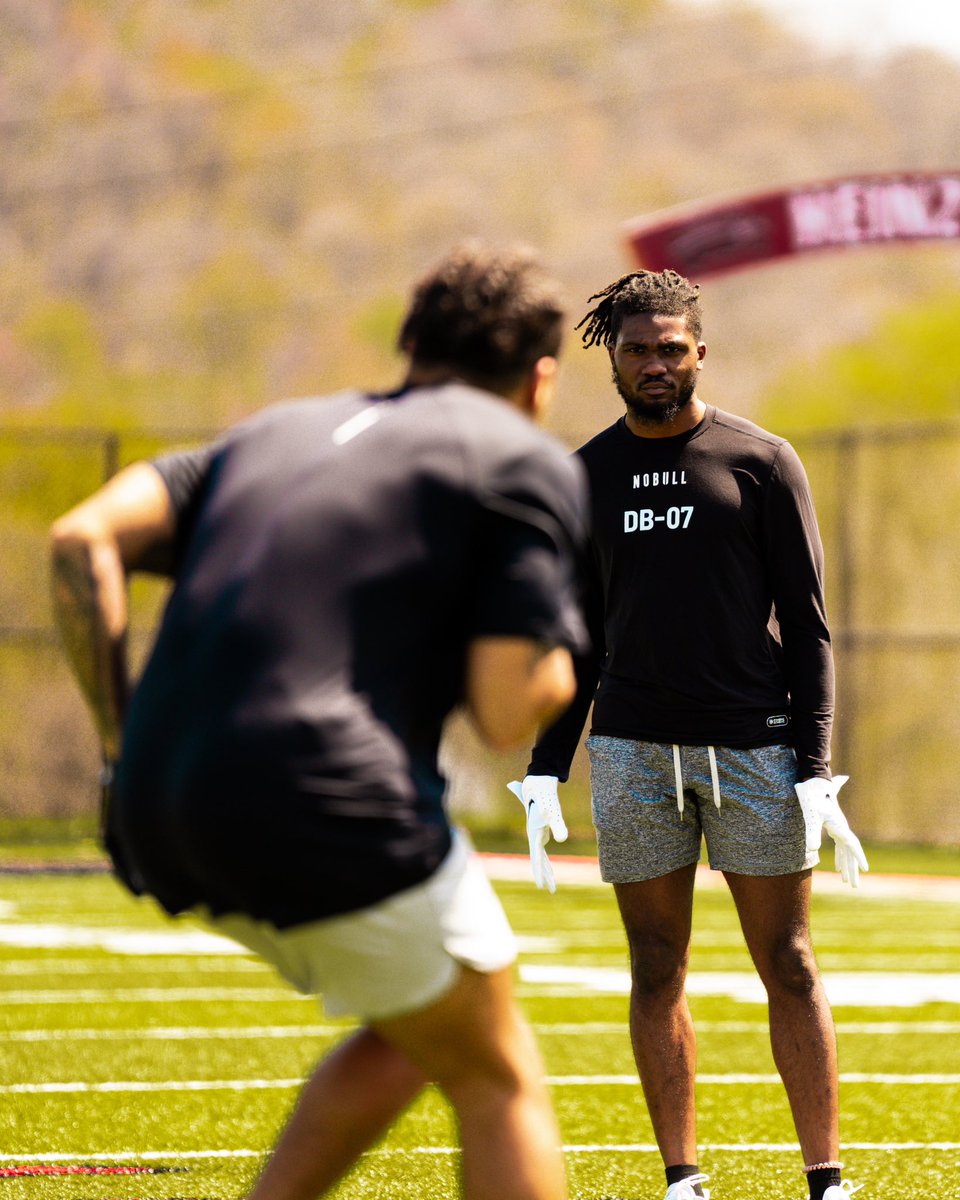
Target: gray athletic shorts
x: 394, y: 957
x: 641, y: 833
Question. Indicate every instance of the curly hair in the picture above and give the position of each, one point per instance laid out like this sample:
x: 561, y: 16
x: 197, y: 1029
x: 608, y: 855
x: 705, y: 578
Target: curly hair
x: 488, y: 314
x: 661, y: 293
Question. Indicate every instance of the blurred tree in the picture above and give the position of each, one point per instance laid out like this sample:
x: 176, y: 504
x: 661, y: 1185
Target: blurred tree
x: 902, y: 371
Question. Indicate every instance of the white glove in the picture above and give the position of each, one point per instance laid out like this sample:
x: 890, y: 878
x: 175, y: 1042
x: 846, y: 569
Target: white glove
x: 538, y: 795
x: 821, y: 810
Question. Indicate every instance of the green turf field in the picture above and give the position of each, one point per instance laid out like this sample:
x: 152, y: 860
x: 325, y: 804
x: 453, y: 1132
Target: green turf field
x: 130, y: 1041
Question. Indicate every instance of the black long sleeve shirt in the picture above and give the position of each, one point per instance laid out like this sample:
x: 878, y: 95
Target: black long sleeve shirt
x: 705, y: 597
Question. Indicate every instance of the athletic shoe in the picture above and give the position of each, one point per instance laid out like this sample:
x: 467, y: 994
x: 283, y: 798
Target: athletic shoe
x: 842, y: 1191
x: 684, y: 1190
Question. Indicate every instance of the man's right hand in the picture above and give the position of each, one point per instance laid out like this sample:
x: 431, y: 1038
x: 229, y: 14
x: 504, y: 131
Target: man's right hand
x: 538, y: 795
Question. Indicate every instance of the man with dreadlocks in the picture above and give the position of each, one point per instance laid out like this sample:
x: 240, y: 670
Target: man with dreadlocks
x: 712, y: 688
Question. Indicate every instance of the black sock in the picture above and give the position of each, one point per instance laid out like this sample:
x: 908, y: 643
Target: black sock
x: 822, y: 1178
x: 684, y: 1171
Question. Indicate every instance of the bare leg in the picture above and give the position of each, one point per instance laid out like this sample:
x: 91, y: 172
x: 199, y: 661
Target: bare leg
x: 657, y: 915
x: 481, y: 1052
x: 348, y: 1103
x: 775, y: 917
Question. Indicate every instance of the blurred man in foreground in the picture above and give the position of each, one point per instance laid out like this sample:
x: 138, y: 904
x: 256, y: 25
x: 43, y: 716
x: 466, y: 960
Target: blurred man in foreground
x: 346, y: 571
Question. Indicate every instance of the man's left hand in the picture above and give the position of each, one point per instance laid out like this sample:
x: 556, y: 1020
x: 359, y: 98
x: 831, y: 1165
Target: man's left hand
x: 821, y: 810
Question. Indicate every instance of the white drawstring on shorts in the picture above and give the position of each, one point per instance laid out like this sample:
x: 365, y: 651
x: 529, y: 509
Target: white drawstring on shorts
x: 714, y: 776
x: 678, y: 776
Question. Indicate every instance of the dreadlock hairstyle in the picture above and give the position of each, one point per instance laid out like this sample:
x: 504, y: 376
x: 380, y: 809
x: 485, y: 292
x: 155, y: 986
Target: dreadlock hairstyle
x: 487, y: 313
x: 661, y: 293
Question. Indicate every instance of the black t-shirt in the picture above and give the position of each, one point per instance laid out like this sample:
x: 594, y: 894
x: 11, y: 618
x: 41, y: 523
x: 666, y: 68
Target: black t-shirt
x: 706, y: 592
x: 333, y: 560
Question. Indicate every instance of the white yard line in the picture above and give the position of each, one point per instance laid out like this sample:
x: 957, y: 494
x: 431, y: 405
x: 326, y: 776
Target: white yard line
x: 154, y: 995
x: 144, y: 1085
x: 935, y: 1080
x: 111, y: 1156
x: 851, y: 988
x: 868, y: 989
x: 176, y: 1033
x: 170, y: 964
x: 178, y: 939
x: 754, y: 1147
x: 556, y: 1029
x: 174, y: 1156
x: 574, y: 869
x: 245, y: 1085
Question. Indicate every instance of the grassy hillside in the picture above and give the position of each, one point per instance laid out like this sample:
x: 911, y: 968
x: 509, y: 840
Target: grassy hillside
x: 205, y: 207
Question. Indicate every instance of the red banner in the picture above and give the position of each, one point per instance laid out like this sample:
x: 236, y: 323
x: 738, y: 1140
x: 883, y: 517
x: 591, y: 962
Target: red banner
x: 707, y: 239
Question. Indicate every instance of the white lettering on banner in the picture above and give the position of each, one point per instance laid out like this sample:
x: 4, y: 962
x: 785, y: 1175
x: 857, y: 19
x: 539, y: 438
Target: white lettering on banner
x: 872, y: 212
x: 947, y: 216
x: 640, y: 520
x: 659, y: 478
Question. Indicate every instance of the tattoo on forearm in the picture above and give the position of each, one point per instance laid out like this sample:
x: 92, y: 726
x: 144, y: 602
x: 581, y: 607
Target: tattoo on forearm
x: 94, y: 641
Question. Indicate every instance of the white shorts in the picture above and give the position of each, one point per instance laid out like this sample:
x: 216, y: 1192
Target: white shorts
x: 397, y: 956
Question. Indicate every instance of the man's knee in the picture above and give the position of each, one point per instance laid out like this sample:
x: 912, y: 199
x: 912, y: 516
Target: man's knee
x: 491, y: 1073
x: 473, y: 1033
x: 791, y: 967
x: 658, y: 964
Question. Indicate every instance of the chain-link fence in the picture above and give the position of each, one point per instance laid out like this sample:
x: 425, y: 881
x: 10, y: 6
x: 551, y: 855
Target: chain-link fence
x: 889, y: 508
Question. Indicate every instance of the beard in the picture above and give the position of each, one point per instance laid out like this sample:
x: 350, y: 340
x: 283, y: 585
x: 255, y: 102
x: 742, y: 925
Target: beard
x: 656, y: 411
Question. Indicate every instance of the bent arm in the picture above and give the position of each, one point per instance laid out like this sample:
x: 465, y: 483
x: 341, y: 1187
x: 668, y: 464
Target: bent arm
x: 557, y: 742
x: 93, y: 547
x: 514, y: 686
x: 794, y: 555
